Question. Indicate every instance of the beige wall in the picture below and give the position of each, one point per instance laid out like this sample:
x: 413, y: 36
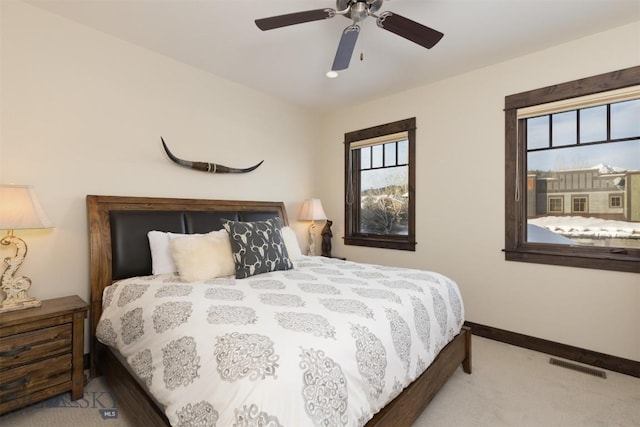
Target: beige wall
x: 460, y: 199
x: 82, y: 113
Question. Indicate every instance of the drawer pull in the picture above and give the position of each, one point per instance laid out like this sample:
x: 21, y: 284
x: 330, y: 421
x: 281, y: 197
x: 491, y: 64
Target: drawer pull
x: 15, y: 384
x: 15, y: 351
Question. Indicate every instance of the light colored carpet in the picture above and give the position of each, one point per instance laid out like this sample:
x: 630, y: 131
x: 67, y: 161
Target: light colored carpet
x: 510, y: 387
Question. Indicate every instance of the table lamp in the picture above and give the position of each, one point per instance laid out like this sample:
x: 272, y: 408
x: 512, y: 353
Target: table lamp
x: 311, y: 211
x: 19, y: 209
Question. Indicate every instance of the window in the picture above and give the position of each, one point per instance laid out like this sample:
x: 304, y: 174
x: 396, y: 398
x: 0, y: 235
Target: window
x: 380, y: 186
x: 615, y: 201
x: 555, y: 204
x: 579, y: 204
x: 572, y: 170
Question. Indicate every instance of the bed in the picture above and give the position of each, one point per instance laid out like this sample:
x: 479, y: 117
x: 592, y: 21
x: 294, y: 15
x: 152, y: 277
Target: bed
x: 121, y: 268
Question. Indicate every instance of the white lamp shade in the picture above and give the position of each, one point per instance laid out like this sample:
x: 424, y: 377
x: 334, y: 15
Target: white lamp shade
x: 20, y: 208
x: 312, y: 210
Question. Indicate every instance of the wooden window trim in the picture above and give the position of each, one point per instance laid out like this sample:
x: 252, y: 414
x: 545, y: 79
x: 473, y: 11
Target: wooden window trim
x: 408, y: 242
x: 516, y: 246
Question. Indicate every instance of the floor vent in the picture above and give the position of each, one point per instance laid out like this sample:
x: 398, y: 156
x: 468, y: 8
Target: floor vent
x: 579, y: 368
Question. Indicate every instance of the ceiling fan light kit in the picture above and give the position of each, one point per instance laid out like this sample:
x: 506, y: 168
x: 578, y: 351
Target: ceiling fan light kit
x: 357, y: 11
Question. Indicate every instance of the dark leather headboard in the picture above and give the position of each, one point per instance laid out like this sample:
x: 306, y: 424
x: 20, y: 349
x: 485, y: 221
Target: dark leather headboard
x: 130, y: 251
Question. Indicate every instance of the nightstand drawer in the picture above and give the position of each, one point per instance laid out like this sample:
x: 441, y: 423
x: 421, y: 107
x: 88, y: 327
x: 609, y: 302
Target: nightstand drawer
x: 41, y: 352
x: 20, y: 381
x: 19, y: 349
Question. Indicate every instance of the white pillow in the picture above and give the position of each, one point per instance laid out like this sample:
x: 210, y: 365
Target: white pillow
x: 161, y: 259
x: 291, y: 243
x: 202, y: 257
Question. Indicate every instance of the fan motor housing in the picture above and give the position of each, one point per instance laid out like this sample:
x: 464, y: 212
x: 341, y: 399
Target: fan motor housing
x: 371, y: 6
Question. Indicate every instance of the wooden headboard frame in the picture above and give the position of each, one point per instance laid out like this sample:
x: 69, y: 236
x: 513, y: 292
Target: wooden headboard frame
x: 100, y: 248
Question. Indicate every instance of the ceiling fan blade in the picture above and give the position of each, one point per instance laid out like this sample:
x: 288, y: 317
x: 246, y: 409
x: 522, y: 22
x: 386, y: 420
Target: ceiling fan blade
x: 294, y: 18
x: 345, y: 48
x: 410, y: 30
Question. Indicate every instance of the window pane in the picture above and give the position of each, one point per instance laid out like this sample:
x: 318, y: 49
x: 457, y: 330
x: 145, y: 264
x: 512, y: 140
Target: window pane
x: 538, y: 132
x: 376, y: 156
x: 390, y: 154
x: 575, y: 195
x: 565, y: 128
x: 403, y: 152
x: 593, y: 124
x: 384, y: 201
x: 365, y: 158
x: 625, y: 119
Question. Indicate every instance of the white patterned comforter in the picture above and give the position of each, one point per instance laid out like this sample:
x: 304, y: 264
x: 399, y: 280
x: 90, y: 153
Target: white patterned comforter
x: 328, y: 343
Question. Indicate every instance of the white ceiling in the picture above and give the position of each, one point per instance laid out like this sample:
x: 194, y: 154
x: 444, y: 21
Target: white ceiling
x: 220, y: 36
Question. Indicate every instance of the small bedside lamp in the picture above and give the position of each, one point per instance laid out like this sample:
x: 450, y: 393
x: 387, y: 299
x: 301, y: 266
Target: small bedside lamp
x: 312, y: 211
x: 19, y: 209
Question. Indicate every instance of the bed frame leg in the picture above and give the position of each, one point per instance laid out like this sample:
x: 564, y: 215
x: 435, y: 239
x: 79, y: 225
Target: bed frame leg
x: 466, y: 363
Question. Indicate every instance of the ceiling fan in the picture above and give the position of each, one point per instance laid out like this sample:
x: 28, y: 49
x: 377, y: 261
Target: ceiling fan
x: 356, y: 10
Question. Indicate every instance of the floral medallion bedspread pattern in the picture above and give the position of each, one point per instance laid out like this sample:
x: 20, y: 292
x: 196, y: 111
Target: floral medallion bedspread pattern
x: 328, y: 343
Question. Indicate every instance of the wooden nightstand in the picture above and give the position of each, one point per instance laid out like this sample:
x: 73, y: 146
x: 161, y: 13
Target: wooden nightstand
x: 41, y: 352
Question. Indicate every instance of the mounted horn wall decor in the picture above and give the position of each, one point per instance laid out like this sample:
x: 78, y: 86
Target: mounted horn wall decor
x: 204, y: 166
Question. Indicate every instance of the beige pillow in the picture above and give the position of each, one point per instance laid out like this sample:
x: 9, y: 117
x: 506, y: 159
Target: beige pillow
x: 202, y: 257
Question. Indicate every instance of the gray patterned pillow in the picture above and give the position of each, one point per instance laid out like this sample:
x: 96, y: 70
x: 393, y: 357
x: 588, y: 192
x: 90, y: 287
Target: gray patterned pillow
x: 257, y: 247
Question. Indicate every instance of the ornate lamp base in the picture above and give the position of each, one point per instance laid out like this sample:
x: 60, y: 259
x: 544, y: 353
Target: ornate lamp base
x: 312, y: 239
x: 15, y: 288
